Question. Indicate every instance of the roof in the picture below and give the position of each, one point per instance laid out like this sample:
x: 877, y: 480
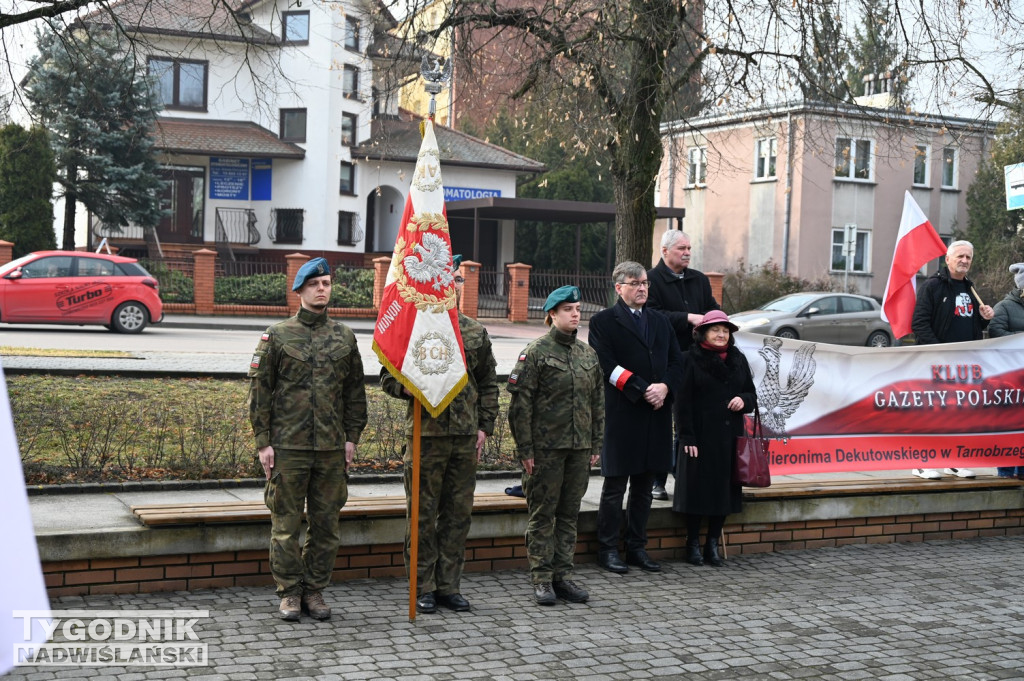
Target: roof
x: 398, y: 139
x: 221, y: 138
x: 543, y: 210
x: 187, y: 18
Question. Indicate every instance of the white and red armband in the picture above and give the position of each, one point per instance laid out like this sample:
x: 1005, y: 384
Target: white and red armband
x: 619, y: 377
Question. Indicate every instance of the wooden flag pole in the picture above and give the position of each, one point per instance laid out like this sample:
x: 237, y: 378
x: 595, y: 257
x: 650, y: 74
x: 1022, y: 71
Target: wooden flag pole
x: 980, y: 301
x: 414, y: 510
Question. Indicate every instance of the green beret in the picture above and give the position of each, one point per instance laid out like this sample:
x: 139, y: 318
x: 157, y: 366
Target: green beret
x: 456, y: 261
x: 317, y: 267
x: 563, y: 294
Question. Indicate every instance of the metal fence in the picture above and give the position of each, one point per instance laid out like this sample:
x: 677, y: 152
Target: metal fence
x: 596, y: 290
x: 493, y: 296
x: 175, y: 275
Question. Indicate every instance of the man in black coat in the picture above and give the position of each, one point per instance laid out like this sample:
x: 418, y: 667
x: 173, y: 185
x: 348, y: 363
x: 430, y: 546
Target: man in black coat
x: 642, y: 367
x: 682, y: 294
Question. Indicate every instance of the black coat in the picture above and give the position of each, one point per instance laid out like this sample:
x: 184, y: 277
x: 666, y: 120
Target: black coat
x: 637, y: 437
x: 933, y: 311
x: 676, y: 297
x: 704, y: 484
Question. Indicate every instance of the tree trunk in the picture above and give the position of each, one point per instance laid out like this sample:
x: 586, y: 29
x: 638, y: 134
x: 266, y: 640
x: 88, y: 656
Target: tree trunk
x: 70, y: 204
x: 636, y: 155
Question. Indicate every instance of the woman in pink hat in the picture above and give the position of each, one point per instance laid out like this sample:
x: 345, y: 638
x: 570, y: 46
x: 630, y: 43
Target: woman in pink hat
x: 717, y: 391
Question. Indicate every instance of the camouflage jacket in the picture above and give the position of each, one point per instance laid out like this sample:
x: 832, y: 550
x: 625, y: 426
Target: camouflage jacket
x: 307, y: 387
x: 557, y: 396
x: 476, y: 406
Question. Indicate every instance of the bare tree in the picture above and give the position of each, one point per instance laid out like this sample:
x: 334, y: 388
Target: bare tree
x: 619, y: 69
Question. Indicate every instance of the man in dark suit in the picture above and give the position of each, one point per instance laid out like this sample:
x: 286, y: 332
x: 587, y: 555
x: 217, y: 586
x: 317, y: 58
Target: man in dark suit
x: 642, y: 367
x: 682, y: 294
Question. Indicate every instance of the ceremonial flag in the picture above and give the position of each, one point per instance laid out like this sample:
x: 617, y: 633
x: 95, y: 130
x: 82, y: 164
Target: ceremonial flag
x: 417, y: 333
x: 916, y: 244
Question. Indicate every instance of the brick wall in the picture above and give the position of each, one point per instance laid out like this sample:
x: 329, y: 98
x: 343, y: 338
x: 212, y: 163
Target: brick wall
x: 251, y: 568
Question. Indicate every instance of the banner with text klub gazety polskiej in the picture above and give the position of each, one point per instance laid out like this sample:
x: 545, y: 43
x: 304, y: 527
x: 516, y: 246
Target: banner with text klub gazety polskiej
x: 838, y: 408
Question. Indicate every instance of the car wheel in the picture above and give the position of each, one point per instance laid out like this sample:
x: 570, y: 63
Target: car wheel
x: 879, y: 339
x: 788, y: 333
x: 130, y: 317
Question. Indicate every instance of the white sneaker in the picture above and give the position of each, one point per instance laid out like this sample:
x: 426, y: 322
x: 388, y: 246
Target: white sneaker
x: 927, y: 473
x: 959, y: 472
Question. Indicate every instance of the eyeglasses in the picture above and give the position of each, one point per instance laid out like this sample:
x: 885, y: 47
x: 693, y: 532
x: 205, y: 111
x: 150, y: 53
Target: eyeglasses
x: 460, y: 280
x: 635, y: 284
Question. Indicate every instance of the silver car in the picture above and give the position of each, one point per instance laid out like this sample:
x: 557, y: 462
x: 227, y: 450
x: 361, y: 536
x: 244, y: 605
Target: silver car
x: 839, y: 318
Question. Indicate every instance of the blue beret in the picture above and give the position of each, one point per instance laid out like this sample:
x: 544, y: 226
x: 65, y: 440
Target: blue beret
x: 563, y: 294
x: 456, y: 261
x: 317, y: 267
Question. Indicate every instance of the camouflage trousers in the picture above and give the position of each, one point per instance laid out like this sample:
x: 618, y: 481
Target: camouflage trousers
x: 317, y: 481
x: 447, y: 483
x: 553, y: 494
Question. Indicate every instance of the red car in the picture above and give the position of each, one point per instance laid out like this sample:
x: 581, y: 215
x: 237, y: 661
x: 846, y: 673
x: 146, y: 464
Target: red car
x: 71, y: 287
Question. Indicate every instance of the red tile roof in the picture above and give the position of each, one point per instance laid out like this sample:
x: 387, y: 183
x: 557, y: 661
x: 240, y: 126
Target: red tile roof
x: 221, y: 138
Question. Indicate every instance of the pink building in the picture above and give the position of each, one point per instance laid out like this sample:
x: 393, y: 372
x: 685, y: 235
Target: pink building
x: 797, y: 184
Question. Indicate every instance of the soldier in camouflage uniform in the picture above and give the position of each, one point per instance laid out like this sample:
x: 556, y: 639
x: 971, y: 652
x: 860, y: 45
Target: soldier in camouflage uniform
x: 557, y: 419
x: 450, y: 447
x: 308, y: 408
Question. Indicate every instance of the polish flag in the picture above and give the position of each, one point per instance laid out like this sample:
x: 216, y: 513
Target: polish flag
x: 916, y: 244
x: 417, y: 334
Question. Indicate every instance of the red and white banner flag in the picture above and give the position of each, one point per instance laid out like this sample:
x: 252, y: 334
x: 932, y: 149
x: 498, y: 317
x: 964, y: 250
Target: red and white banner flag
x: 840, y: 408
x: 916, y: 244
x: 417, y: 334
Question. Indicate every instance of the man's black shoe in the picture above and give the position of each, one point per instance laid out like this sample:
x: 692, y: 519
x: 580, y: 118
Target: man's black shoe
x: 610, y: 561
x: 642, y: 561
x: 570, y: 591
x: 454, y: 602
x: 426, y: 603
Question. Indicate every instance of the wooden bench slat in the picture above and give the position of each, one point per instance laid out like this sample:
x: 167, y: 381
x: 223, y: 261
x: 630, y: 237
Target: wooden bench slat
x: 255, y: 511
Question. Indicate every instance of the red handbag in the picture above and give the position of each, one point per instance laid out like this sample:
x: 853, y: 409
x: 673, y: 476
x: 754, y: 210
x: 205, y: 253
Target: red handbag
x: 750, y: 465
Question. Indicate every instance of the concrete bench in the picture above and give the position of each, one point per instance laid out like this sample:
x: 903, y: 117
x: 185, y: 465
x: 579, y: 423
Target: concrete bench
x: 212, y: 513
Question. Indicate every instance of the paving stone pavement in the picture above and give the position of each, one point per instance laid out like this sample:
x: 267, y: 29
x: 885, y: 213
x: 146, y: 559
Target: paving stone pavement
x: 899, y: 612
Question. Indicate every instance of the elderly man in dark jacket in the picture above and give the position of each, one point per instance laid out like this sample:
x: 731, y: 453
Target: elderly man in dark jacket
x: 682, y: 294
x: 642, y: 367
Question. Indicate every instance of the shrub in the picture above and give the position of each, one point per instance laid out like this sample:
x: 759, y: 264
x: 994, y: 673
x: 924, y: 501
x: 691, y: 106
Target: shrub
x: 255, y: 289
x: 353, y: 287
x: 747, y: 287
x: 175, y: 286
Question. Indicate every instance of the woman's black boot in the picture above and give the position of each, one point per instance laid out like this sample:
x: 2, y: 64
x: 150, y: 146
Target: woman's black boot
x: 711, y: 556
x: 693, y: 556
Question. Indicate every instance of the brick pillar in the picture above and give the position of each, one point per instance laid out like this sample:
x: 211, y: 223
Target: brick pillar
x: 716, y: 285
x: 295, y: 261
x: 204, y: 261
x: 6, y: 252
x: 381, y: 266
x: 519, y: 292
x: 470, y: 305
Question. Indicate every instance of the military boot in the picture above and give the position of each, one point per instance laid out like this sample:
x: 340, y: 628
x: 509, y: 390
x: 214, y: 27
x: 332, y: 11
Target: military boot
x: 290, y: 609
x: 313, y: 602
x: 569, y: 590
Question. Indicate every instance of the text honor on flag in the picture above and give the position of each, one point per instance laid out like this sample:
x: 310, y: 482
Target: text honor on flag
x: 433, y: 353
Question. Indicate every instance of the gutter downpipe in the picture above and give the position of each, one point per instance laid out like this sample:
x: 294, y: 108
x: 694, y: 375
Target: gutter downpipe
x: 789, y: 191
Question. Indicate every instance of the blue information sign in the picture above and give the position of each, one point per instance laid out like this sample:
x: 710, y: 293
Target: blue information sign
x: 229, y: 178
x: 261, y: 178
x: 461, y: 193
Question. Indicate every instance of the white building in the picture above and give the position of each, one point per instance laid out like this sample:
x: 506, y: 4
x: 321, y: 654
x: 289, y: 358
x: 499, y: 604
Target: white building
x: 275, y: 137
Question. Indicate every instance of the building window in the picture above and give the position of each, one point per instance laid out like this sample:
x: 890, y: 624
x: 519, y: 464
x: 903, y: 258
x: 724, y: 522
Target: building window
x: 295, y: 27
x: 853, y: 158
x: 348, y: 129
x: 351, y: 34
x: 348, y: 178
x: 288, y: 225
x: 697, y: 175
x: 921, y: 158
x: 180, y: 83
x: 764, y: 166
x: 860, y: 253
x: 347, y: 228
x: 350, y: 82
x: 293, y: 125
x: 949, y: 168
